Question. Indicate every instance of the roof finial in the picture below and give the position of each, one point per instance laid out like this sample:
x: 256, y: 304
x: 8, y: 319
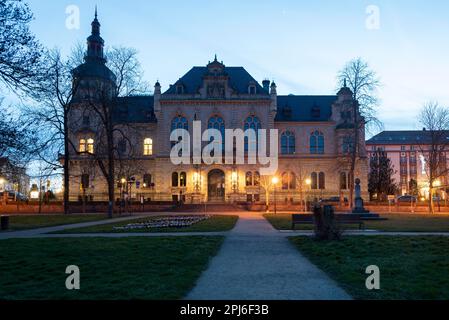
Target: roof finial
x: 216, y: 57
x: 344, y: 84
x: 96, y: 14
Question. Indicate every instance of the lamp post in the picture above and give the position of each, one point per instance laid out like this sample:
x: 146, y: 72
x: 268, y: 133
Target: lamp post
x: 274, y: 181
x: 308, y: 183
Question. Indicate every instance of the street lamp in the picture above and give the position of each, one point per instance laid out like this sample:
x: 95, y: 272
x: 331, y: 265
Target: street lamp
x: 275, y: 181
x: 308, y: 183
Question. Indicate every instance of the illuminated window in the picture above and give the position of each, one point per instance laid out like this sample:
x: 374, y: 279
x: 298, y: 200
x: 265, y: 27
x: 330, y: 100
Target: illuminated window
x: 90, y: 146
x: 82, y: 145
x: 148, y: 147
x: 249, y: 178
x: 288, y: 181
x: 183, y: 179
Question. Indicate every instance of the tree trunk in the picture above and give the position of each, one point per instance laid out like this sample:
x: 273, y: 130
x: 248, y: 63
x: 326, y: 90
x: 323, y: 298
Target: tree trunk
x: 66, y: 166
x: 111, y: 173
x: 267, y: 200
x: 431, y: 206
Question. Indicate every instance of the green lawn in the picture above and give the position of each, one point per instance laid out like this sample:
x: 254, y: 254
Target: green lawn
x: 214, y: 223
x: 396, y: 222
x: 119, y: 268
x: 23, y: 222
x: 410, y: 267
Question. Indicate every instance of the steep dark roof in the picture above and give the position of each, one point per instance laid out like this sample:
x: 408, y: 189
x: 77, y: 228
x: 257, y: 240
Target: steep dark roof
x: 94, y: 69
x: 239, y: 80
x: 304, y: 108
x: 135, y: 109
x: 402, y: 137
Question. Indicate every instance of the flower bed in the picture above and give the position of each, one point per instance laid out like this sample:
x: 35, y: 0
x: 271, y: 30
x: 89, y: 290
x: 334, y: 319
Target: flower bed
x: 165, y: 222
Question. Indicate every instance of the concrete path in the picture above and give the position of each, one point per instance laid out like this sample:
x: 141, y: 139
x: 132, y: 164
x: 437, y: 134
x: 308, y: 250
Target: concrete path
x: 257, y: 262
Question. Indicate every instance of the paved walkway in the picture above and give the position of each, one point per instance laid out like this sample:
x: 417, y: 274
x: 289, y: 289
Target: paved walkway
x: 257, y: 262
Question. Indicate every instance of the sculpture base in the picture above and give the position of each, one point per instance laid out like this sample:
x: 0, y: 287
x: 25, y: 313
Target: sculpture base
x: 359, y: 208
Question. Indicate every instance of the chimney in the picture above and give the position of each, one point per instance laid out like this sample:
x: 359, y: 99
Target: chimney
x: 266, y: 85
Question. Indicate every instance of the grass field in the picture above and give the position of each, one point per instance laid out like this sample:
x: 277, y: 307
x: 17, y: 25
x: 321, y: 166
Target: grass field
x: 23, y: 222
x: 396, y: 222
x: 119, y: 268
x: 410, y: 267
x: 214, y: 223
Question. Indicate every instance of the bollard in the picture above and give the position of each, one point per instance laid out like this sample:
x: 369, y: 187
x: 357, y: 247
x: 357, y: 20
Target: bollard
x: 4, y: 222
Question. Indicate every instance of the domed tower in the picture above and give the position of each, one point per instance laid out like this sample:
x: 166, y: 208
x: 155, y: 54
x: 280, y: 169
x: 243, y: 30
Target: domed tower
x: 93, y: 79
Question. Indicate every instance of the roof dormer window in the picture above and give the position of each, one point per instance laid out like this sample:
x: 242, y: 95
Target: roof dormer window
x: 179, y: 89
x: 316, y: 112
x: 252, y: 89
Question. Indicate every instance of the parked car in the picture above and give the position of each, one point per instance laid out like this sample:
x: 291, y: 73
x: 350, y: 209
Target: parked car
x: 334, y: 199
x: 406, y: 199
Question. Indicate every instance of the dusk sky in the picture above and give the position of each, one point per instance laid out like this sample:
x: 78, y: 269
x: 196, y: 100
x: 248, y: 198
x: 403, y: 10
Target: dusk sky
x: 299, y: 44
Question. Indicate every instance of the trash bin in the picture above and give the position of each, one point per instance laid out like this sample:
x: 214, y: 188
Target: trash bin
x: 4, y: 222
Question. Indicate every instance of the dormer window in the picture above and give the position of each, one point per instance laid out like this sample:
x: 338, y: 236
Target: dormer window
x: 316, y: 112
x: 252, y: 89
x: 287, y: 112
x: 179, y: 89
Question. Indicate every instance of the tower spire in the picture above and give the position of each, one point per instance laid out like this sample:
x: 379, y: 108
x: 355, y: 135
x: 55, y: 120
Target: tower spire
x: 95, y: 43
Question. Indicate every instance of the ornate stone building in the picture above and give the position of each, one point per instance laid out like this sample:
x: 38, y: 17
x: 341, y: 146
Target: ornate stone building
x: 313, y: 136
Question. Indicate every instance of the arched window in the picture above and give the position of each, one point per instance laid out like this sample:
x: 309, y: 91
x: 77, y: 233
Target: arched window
x: 321, y: 181
x: 148, y: 147
x: 83, y: 145
x: 147, y: 180
x: 317, y: 142
x: 174, y: 179
x: 287, y: 143
x: 179, y: 122
x: 348, y: 145
x: 292, y: 181
x: 256, y: 179
x: 343, y: 181
x: 90, y: 146
x: 285, y: 181
x: 218, y: 123
x: 84, y: 181
x: 249, y: 178
x: 288, y: 181
x: 314, y: 181
x: 183, y: 179
x: 252, y: 122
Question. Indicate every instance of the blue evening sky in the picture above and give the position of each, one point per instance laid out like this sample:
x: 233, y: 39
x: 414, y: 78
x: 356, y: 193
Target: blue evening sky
x: 299, y: 44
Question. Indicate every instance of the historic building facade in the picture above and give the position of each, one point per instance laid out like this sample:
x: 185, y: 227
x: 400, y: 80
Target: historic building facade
x: 313, y: 137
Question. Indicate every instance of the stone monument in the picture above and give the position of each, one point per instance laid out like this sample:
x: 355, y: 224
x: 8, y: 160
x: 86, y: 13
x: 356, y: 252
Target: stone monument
x: 359, y: 208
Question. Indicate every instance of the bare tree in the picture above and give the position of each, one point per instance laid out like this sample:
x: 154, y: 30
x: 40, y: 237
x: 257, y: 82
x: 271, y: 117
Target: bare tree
x: 266, y: 182
x: 435, y: 144
x: 105, y: 103
x: 20, y: 52
x: 50, y: 116
x: 363, y: 83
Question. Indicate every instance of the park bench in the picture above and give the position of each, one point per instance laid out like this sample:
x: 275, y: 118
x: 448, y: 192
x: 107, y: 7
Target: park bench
x: 341, y: 219
x: 301, y: 219
x: 350, y: 219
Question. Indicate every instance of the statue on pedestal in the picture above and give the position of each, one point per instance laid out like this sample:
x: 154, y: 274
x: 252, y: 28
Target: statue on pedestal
x: 359, y: 208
